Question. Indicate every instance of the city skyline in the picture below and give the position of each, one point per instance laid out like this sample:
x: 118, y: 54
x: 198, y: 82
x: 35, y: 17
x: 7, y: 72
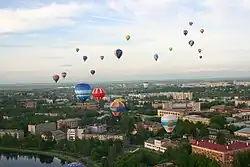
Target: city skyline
x: 37, y: 41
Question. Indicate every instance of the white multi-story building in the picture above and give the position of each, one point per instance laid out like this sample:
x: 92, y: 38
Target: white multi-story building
x: 73, y: 134
x: 40, y: 128
x: 158, y: 145
x: 12, y: 132
x: 98, y: 128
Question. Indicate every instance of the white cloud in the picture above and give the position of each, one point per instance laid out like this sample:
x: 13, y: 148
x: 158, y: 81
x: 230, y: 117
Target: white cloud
x: 53, y: 15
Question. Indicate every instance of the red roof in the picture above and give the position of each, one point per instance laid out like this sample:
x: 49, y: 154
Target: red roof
x: 222, y: 148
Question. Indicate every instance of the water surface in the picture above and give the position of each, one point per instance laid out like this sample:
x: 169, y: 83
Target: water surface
x: 11, y: 159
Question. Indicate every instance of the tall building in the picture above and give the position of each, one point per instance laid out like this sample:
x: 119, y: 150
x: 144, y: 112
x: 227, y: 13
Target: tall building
x: 40, y: 128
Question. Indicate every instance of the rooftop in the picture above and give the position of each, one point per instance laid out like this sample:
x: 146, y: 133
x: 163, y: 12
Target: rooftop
x: 217, y: 147
x: 244, y: 130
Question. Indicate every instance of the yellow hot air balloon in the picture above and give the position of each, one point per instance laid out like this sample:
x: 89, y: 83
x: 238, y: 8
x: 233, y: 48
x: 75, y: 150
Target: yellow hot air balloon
x: 202, y: 30
x: 120, y: 100
x: 127, y: 37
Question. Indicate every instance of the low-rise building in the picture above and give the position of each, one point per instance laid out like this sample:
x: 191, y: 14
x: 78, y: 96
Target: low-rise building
x: 196, y: 119
x: 40, y: 128
x: 221, y: 108
x: 12, y: 132
x: 68, y: 123
x: 158, y: 145
x: 224, y: 154
x: 245, y: 132
x: 150, y: 126
x: 178, y: 113
x: 244, y: 116
x: 54, y: 135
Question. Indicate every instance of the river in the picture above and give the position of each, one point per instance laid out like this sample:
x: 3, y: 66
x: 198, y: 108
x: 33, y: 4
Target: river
x: 12, y: 159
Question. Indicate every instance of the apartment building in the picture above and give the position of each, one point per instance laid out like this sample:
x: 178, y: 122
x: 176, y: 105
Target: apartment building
x: 69, y: 123
x: 224, y: 154
x: 244, y: 116
x: 12, y: 132
x: 158, y: 145
x: 40, y: 128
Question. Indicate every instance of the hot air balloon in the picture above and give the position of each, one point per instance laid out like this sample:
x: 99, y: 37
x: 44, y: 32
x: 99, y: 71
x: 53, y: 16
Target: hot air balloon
x: 117, y: 108
x: 145, y: 85
x: 170, y: 49
x: 199, y: 50
x: 191, y: 43
x: 156, y: 57
x: 127, y: 37
x: 190, y: 23
x: 84, y: 58
x: 63, y: 74
x: 120, y: 100
x: 185, y: 32
x: 168, y: 122
x: 202, y: 30
x: 98, y: 94
x: 102, y: 57
x: 77, y: 49
x: 56, y: 78
x: 75, y: 164
x: 200, y: 57
x: 83, y: 91
x: 118, y: 53
x: 92, y: 72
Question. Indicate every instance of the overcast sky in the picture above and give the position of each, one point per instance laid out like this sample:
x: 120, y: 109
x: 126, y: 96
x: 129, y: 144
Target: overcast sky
x: 38, y: 39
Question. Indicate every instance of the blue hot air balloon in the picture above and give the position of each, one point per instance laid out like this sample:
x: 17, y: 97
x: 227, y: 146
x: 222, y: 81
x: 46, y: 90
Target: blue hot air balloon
x: 118, y: 53
x: 75, y: 164
x: 83, y: 91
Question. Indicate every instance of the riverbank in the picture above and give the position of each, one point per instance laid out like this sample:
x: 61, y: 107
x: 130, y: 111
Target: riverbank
x: 60, y: 155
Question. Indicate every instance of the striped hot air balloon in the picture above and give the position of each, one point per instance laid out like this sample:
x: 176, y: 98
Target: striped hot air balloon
x: 75, y: 164
x: 98, y: 94
x: 117, y: 107
x: 83, y: 91
x: 168, y: 122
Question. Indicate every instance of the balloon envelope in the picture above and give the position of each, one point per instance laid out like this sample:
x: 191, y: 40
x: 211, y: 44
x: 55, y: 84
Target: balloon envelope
x: 191, y: 23
x: 117, y: 107
x: 202, y: 31
x: 77, y: 49
x: 185, y: 32
x: 64, y: 74
x: 92, y: 72
x: 168, y: 122
x: 118, y: 53
x: 191, y: 43
x: 56, y: 78
x: 84, y: 58
x: 98, y: 93
x: 102, y: 57
x: 127, y: 37
x: 156, y: 57
x: 83, y: 91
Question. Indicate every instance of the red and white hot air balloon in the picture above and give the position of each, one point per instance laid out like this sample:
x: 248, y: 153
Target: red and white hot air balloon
x: 98, y: 94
